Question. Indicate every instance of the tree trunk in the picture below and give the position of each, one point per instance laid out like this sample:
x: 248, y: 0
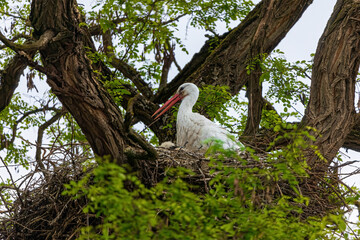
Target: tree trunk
x: 331, y: 110
x: 255, y: 105
x: 73, y: 80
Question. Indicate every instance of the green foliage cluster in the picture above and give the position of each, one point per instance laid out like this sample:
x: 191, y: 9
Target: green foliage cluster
x: 146, y: 31
x: 20, y: 119
x: 230, y: 210
x: 212, y: 102
x: 286, y: 84
x: 13, y: 123
x: 286, y: 80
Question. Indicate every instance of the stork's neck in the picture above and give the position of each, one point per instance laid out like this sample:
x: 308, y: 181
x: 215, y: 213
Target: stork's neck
x: 188, y: 102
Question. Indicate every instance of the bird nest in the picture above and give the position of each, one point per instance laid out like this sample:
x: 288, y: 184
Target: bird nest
x: 40, y: 211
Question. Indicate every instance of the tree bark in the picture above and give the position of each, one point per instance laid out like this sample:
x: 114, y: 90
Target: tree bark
x: 331, y: 110
x: 10, y: 78
x: 259, y: 33
x: 256, y: 103
x: 72, y: 78
x: 352, y: 140
x: 226, y: 64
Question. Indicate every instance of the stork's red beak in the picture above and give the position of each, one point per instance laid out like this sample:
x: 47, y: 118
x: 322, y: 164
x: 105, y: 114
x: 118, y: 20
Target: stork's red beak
x: 177, y: 97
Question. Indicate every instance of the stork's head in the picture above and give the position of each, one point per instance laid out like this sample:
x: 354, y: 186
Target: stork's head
x: 186, y: 89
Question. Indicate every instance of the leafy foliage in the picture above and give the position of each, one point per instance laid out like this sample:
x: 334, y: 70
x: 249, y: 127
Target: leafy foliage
x: 286, y: 80
x: 19, y: 119
x: 13, y: 121
x: 146, y: 31
x: 231, y: 209
x: 286, y: 85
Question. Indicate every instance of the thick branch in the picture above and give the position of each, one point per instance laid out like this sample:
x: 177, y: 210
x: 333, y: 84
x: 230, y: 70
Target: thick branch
x: 352, y: 140
x: 255, y: 105
x: 331, y: 108
x: 9, y: 79
x: 254, y: 87
x: 39, y: 44
x: 10, y: 76
x: 16, y: 37
x: 227, y: 63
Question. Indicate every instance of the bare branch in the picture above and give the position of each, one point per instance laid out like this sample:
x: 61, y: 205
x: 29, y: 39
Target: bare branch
x: 39, y: 44
x: 4, y: 142
x: 16, y: 37
x: 227, y: 63
x: 12, y: 15
x: 12, y: 180
x: 127, y: 70
x: 168, y: 60
x: 41, y: 130
x: 174, y: 19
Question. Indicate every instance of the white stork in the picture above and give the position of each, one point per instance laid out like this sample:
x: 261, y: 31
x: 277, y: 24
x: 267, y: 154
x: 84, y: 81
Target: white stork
x: 193, y: 128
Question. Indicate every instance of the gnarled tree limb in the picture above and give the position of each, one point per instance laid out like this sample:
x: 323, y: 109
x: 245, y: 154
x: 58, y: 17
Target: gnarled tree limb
x: 44, y: 39
x: 331, y: 109
x: 10, y: 78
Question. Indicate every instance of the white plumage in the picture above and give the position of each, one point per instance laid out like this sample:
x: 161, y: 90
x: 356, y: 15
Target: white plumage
x: 194, y: 129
